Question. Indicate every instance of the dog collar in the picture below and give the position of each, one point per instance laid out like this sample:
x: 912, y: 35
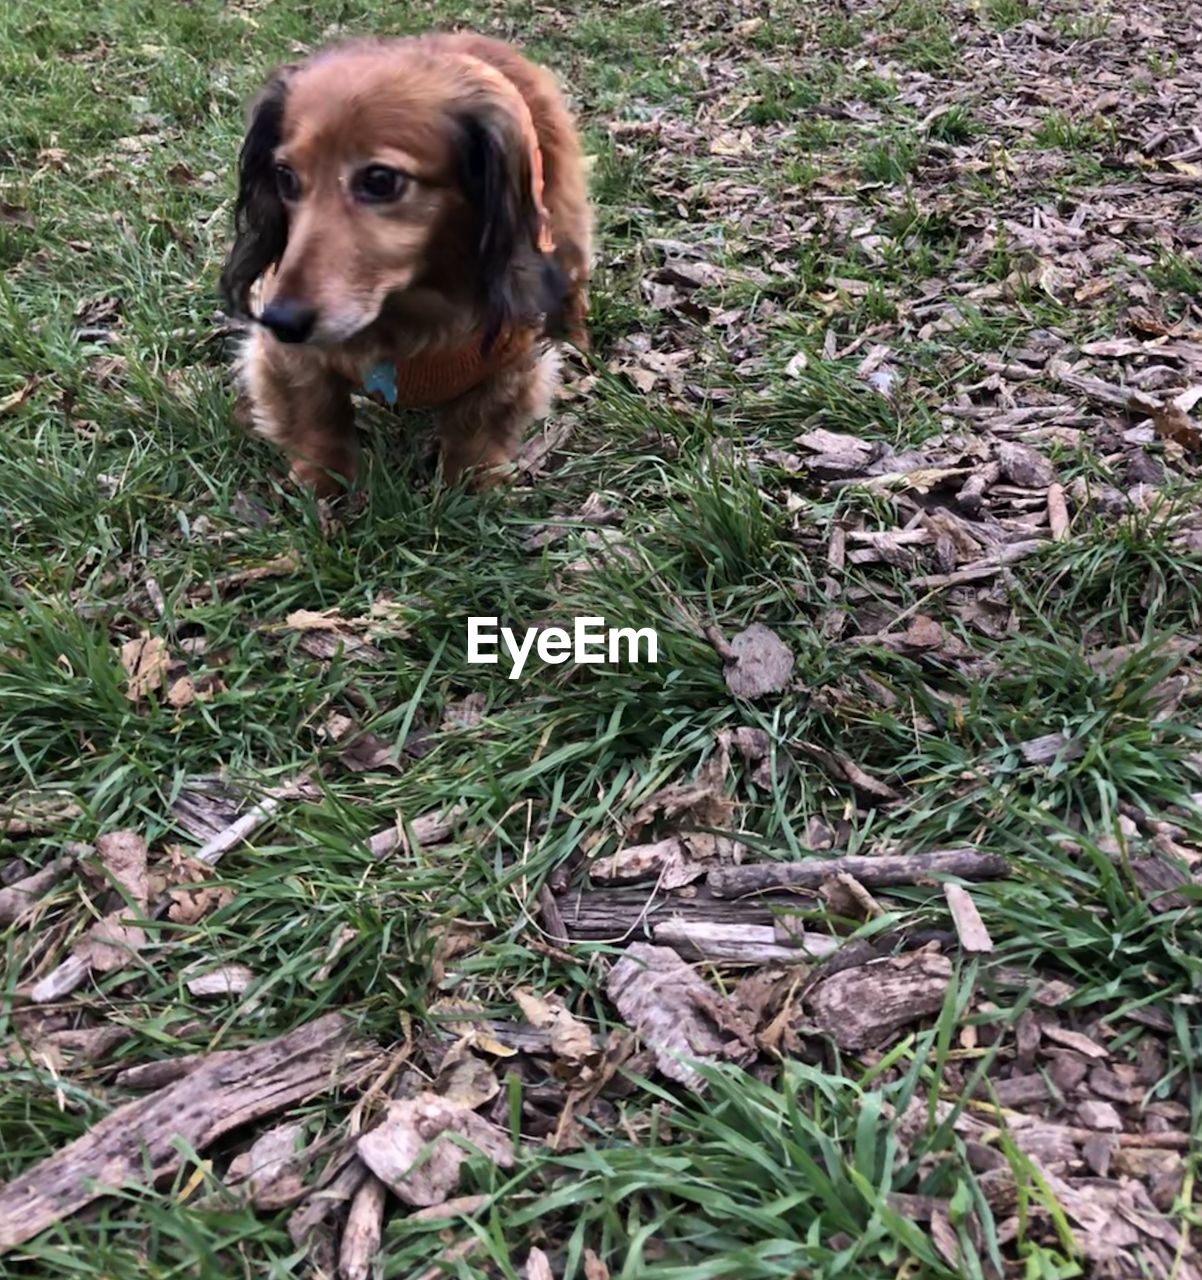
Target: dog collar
x: 435, y: 378
x: 380, y: 380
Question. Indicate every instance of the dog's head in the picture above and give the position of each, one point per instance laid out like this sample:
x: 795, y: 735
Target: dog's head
x: 376, y: 172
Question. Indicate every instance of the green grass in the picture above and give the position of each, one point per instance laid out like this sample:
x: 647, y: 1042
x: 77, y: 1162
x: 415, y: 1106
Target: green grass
x: 122, y: 464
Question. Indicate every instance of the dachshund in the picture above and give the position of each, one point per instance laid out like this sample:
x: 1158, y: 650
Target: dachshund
x: 412, y: 222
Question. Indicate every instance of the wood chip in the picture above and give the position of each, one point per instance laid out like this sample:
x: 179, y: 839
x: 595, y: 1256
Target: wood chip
x: 363, y: 1231
x: 970, y: 928
x: 433, y: 828
x: 145, y: 1141
x: 418, y: 1126
x: 282, y: 566
x: 228, y: 980
x: 1075, y: 1040
x: 1057, y: 513
x: 862, y: 1008
x: 33, y: 813
x: 269, y: 1172
x: 677, y: 1015
x: 24, y: 894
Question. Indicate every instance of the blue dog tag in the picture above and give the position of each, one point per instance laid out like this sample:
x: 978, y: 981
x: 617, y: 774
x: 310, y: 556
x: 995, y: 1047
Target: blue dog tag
x: 381, y: 380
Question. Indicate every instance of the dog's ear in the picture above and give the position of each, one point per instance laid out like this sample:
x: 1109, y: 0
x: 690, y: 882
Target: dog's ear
x: 260, y: 219
x: 519, y: 285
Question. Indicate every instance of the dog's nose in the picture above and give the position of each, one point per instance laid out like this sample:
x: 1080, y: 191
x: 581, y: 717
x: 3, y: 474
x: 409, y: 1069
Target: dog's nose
x: 290, y: 321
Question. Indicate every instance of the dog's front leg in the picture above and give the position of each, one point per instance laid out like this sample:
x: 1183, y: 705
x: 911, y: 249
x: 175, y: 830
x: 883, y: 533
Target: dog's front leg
x: 481, y: 432
x: 297, y: 401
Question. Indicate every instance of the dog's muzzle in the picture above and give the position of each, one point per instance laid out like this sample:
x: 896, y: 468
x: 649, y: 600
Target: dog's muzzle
x: 290, y: 321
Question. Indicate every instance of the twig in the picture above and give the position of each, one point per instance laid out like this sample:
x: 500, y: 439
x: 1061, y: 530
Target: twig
x: 718, y: 640
x: 431, y: 828
x: 759, y: 877
x: 20, y: 896
x: 740, y: 943
x: 1057, y: 513
x: 986, y: 568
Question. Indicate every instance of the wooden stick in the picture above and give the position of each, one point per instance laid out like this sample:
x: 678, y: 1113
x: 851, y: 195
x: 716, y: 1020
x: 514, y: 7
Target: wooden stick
x: 740, y: 943
x: 550, y: 915
x: 756, y: 877
x: 363, y: 1230
x: 431, y: 828
x: 631, y: 911
x: 210, y: 852
x: 20, y: 896
x: 145, y: 1139
x: 1057, y: 513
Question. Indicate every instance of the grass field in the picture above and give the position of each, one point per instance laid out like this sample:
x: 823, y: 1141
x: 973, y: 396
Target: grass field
x: 963, y: 235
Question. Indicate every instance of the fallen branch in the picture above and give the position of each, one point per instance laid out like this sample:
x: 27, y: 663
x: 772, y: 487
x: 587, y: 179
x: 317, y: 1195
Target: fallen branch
x: 145, y: 1140
x: 756, y: 877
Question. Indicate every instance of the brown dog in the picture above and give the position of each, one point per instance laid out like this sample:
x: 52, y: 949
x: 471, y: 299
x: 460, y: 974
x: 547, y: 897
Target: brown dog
x: 411, y: 218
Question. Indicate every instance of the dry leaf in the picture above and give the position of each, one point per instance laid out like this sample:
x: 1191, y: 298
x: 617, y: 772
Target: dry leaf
x: 365, y: 752
x: 538, y: 1266
x: 1171, y: 422
x: 663, y: 861
x: 391, y: 1150
x: 466, y: 713
x: 181, y: 693
x: 17, y: 398
x: 190, y: 904
x: 123, y: 856
x: 146, y: 662
x: 464, y: 1078
x: 676, y: 1014
x: 594, y: 1268
x: 703, y: 801
x: 571, y: 1039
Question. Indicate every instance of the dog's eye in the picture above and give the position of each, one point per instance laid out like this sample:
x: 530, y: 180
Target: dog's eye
x: 287, y: 183
x: 378, y: 184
